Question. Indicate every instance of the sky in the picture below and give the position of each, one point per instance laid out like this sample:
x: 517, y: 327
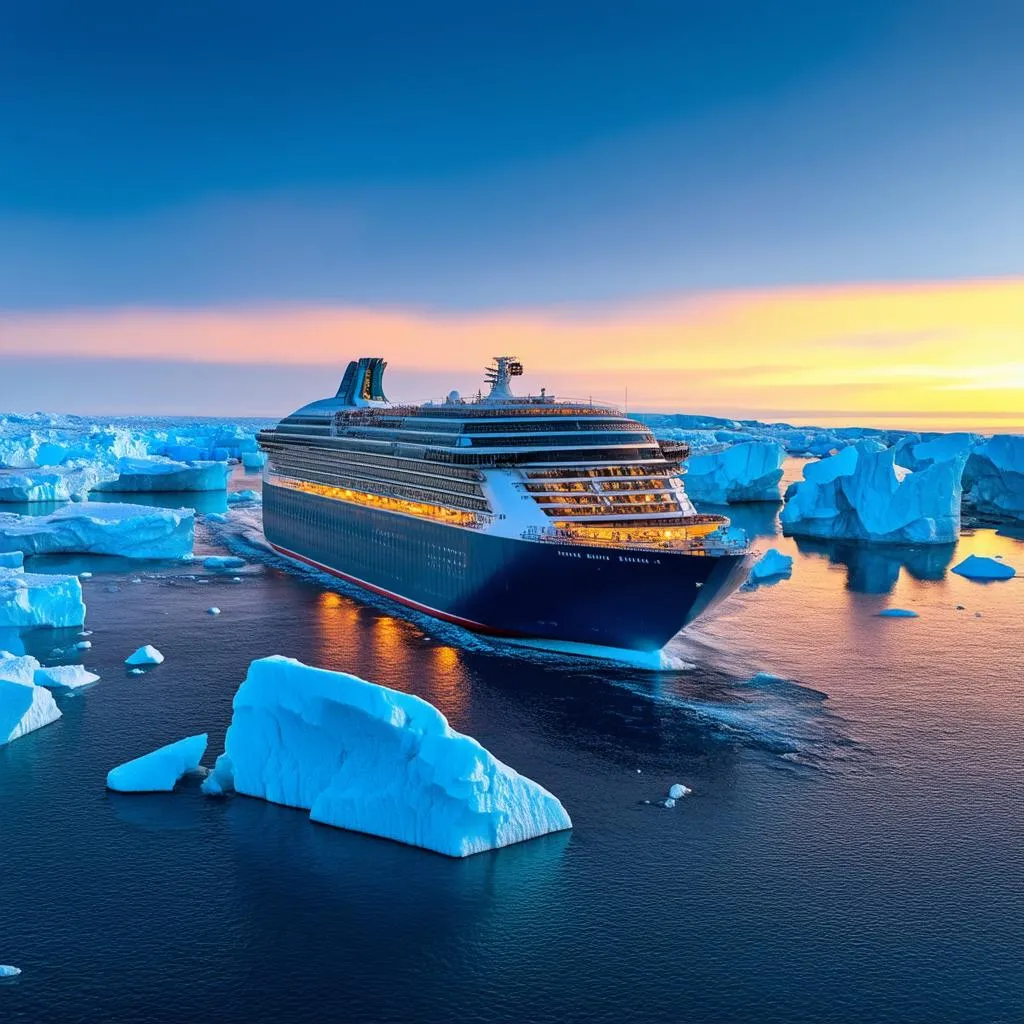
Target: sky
x: 798, y: 210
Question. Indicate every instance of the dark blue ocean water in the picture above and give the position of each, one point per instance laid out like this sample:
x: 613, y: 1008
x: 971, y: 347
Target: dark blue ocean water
x: 853, y: 849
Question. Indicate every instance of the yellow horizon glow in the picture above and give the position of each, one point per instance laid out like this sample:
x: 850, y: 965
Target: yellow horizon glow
x: 920, y: 354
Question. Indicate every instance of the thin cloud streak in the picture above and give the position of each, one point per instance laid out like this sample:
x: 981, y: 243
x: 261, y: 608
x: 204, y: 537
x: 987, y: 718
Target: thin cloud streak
x: 950, y: 349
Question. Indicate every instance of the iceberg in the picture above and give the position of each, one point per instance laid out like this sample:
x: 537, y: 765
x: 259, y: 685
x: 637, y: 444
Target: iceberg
x: 254, y: 460
x: 7, y: 971
x: 65, y: 677
x: 677, y: 791
x: 897, y: 613
x: 994, y: 477
x: 131, y: 531
x: 24, y: 707
x: 52, y: 484
x: 979, y: 567
x: 147, y: 655
x: 35, y: 599
x: 914, y: 452
x: 772, y: 565
x: 159, y: 770
x: 11, y: 560
x: 749, y: 471
x: 861, y: 494
x: 363, y: 757
x: 157, y: 473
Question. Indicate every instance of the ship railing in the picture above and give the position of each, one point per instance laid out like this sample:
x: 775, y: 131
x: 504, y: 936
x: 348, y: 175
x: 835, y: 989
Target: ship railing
x: 708, y: 544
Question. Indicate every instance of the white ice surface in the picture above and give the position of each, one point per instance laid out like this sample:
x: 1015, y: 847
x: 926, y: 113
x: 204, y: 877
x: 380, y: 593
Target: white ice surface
x: 37, y: 599
x: 159, y: 770
x: 24, y: 707
x: 363, y: 757
x: 131, y: 531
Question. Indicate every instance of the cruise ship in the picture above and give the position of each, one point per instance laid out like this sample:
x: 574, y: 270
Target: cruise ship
x: 530, y: 517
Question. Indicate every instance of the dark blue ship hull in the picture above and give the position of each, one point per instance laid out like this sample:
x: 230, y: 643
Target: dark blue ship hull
x: 502, y: 586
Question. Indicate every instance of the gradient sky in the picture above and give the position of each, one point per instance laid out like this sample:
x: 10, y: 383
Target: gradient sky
x: 799, y: 210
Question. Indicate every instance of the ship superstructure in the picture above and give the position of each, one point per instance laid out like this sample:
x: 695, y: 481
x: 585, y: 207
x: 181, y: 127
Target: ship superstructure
x: 521, y: 516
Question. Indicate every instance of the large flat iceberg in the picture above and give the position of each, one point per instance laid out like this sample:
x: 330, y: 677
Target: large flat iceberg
x: 157, y: 473
x: 749, y: 471
x: 994, y: 477
x: 131, y: 531
x: 363, y: 757
x: 24, y: 707
x: 49, y: 484
x: 861, y: 494
x: 159, y: 770
x: 37, y: 599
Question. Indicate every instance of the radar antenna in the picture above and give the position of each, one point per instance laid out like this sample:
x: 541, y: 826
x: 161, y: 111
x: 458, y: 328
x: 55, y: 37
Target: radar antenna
x: 500, y: 374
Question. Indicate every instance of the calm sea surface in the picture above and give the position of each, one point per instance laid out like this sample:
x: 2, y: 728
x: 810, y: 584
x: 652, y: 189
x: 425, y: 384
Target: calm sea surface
x: 853, y: 849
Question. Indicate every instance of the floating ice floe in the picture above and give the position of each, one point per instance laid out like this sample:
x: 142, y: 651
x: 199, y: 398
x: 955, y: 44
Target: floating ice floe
x: 254, y: 460
x: 147, y: 655
x: 363, y: 757
x: 772, y: 565
x: 213, y: 611
x: 678, y: 791
x: 749, y: 471
x: 223, y: 562
x: 994, y: 477
x: 56, y: 483
x: 157, y: 473
x: 7, y: 971
x: 24, y: 706
x: 159, y: 770
x: 65, y: 677
x: 131, y: 531
x: 239, y: 497
x: 897, y: 613
x: 979, y: 567
x: 35, y: 599
x: 861, y: 494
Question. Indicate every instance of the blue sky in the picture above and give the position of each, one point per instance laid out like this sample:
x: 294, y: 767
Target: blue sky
x: 486, y: 157
x: 473, y: 155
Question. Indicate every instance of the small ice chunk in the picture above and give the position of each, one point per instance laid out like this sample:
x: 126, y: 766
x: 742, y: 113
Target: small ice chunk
x: 159, y: 770
x: 7, y: 971
x: 773, y: 565
x: 221, y: 780
x: 83, y: 645
x: 678, y: 791
x: 147, y: 655
x: 223, y: 562
x: 897, y: 613
x: 978, y: 567
x: 668, y: 802
x: 137, y: 672
x: 213, y: 611
x: 65, y: 677
x: 85, y: 575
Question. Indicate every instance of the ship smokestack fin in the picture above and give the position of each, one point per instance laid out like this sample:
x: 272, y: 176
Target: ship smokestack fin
x: 363, y: 383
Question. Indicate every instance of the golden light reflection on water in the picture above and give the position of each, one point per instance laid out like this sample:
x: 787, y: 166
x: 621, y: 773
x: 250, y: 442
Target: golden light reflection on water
x: 354, y: 637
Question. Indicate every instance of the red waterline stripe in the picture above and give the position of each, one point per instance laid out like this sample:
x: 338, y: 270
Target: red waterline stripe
x: 476, y: 627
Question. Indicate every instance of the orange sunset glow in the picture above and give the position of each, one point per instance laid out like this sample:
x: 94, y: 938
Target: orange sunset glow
x: 928, y: 355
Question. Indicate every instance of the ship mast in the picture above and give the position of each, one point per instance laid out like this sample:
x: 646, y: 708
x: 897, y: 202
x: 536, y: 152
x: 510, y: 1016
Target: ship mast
x: 499, y: 375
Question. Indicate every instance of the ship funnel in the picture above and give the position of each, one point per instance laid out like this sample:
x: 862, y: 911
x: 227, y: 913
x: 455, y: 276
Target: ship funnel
x: 363, y: 383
